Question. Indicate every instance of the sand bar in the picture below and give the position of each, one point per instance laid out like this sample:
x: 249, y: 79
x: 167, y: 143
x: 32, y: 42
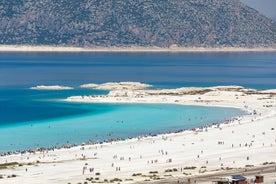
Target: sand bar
x: 116, y: 86
x: 46, y: 48
x: 239, y: 145
x: 54, y: 87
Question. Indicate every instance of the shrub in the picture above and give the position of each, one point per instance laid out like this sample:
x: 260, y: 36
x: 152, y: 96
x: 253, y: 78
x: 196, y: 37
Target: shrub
x: 116, y: 180
x: 130, y: 179
x: 189, y: 168
x: 136, y: 174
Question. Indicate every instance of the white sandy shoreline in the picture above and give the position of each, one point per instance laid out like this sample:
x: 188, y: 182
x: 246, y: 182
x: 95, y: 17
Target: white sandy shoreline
x: 46, y: 48
x: 246, y: 142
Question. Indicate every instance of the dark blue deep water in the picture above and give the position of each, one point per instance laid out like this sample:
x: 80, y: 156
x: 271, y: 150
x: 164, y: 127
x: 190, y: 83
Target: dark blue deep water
x: 249, y: 69
x: 25, y: 110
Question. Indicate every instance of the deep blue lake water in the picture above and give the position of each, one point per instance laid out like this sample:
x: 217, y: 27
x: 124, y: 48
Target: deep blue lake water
x: 31, y: 118
x: 249, y: 69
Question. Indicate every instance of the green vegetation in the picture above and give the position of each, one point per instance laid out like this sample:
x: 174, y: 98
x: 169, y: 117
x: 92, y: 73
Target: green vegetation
x: 6, y: 165
x: 89, y: 179
x: 267, y: 163
x: 12, y: 176
x: 129, y: 179
x: 134, y: 22
x: 186, y: 173
x: 137, y: 174
x: 116, y: 180
x: 189, y: 168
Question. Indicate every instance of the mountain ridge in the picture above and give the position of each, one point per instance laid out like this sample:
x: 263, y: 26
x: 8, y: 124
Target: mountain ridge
x: 118, y: 23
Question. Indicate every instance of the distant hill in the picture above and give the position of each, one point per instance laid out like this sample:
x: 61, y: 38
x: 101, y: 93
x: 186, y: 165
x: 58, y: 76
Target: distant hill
x: 207, y: 23
x: 265, y: 7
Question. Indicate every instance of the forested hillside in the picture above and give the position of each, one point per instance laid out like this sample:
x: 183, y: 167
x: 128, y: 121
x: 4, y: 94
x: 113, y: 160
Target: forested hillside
x: 160, y: 23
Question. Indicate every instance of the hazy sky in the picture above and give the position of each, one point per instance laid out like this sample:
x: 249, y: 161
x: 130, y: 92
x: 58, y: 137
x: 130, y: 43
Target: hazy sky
x: 267, y: 7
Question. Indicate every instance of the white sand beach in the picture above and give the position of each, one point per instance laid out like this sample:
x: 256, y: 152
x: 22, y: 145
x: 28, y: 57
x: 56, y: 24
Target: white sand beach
x: 245, y: 145
x: 173, y: 48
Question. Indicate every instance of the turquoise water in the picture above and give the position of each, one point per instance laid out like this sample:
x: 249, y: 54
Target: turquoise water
x: 30, y: 118
x: 110, y: 122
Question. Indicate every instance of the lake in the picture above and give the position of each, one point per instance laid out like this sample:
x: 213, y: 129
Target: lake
x: 31, y: 118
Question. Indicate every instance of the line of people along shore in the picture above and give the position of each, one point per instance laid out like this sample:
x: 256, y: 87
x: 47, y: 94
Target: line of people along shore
x: 111, y: 140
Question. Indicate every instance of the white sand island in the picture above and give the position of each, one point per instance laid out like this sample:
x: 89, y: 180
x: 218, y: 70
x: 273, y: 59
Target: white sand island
x: 244, y: 145
x: 117, y: 86
x: 54, y: 87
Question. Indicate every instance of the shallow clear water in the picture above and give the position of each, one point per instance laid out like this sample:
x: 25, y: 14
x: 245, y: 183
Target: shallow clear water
x: 109, y: 121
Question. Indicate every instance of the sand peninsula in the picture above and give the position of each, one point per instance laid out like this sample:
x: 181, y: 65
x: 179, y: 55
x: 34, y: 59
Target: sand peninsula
x: 172, y: 48
x: 244, y: 145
